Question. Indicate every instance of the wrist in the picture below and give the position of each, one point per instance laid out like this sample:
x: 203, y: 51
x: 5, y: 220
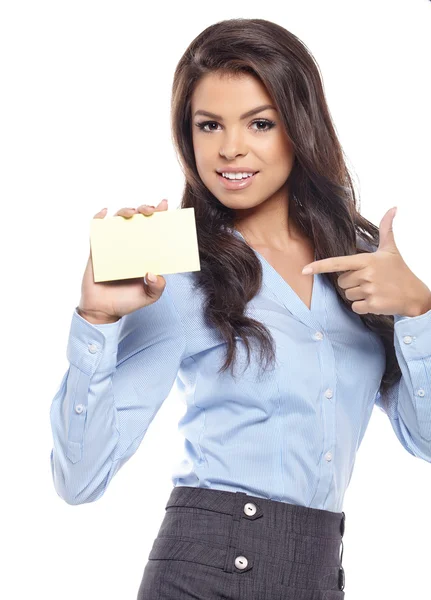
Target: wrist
x: 421, y: 307
x: 96, y: 317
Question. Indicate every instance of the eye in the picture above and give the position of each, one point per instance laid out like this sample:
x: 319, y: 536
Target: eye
x: 267, y: 123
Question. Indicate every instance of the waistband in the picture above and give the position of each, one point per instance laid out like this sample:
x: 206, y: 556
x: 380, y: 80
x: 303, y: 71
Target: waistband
x: 293, y: 518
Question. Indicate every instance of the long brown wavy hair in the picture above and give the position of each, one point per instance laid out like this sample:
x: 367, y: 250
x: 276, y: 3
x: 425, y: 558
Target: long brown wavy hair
x: 323, y: 198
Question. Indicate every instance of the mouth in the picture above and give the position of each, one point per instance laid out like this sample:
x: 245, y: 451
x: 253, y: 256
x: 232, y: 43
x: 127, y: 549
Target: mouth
x: 236, y: 184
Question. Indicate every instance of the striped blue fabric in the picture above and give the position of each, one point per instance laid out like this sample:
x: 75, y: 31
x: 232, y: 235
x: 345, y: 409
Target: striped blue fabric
x: 289, y: 434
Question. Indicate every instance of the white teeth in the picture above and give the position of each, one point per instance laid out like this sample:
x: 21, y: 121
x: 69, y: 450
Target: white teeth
x: 237, y: 175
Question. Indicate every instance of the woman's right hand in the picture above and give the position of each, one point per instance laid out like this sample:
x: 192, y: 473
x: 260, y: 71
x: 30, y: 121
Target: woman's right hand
x: 108, y: 301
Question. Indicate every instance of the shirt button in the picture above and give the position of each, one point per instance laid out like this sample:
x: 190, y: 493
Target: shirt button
x: 407, y: 339
x: 318, y: 335
x: 329, y: 393
x: 328, y: 456
x: 421, y: 392
x: 79, y: 408
x: 250, y: 508
x: 92, y: 348
x: 241, y: 562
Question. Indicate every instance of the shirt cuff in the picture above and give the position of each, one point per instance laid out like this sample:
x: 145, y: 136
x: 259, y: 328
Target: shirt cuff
x: 93, y: 347
x: 413, y: 335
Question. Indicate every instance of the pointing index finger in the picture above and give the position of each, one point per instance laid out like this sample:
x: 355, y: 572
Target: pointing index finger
x: 335, y: 264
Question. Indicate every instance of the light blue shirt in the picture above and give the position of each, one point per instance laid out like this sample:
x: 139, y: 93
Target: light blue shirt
x: 291, y: 435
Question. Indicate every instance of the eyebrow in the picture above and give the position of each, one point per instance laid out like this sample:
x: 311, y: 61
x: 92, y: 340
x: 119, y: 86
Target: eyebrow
x: 244, y: 116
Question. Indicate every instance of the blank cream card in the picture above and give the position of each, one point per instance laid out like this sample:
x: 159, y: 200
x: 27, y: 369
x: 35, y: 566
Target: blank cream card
x: 163, y: 242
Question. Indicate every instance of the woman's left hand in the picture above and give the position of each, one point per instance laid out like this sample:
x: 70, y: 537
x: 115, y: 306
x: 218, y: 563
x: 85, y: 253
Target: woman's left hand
x: 379, y: 282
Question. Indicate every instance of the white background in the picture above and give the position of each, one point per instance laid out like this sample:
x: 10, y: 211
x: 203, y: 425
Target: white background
x: 84, y: 124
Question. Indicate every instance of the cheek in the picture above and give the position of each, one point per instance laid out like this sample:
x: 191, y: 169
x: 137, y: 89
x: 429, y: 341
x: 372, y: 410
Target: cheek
x: 283, y: 158
x: 281, y: 146
x: 202, y: 154
x: 205, y: 168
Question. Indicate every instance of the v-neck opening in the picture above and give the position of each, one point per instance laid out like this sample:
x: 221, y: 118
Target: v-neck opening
x: 284, y: 290
x: 283, y: 281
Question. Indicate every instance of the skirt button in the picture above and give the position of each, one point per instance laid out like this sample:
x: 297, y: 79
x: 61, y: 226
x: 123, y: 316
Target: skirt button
x: 250, y: 509
x: 341, y: 578
x: 241, y: 562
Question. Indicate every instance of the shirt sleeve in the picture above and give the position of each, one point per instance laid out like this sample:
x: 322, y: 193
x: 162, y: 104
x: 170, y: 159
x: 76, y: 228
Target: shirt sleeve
x: 119, y: 375
x: 409, y: 399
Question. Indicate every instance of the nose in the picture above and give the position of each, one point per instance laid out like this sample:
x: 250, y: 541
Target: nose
x: 230, y: 155
x: 232, y: 147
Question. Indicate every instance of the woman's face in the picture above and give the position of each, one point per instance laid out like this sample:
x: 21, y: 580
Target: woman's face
x: 257, y: 142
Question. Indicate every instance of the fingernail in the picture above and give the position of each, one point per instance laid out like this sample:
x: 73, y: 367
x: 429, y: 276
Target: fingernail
x: 307, y: 270
x: 151, y: 277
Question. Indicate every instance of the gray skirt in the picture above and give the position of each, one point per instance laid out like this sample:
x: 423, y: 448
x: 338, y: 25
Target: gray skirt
x: 214, y: 544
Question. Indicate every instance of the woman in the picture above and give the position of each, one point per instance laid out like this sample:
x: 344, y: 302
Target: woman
x: 256, y: 509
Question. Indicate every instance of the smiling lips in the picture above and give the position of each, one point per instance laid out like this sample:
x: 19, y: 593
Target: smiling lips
x: 235, y: 184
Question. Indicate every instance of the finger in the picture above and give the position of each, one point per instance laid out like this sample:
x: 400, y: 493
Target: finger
x: 125, y: 212
x: 100, y: 214
x: 146, y: 209
x: 149, y: 209
x: 163, y: 205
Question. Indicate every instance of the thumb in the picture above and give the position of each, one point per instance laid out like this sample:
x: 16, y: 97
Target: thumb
x: 150, y: 278
x: 154, y: 285
x: 386, y: 232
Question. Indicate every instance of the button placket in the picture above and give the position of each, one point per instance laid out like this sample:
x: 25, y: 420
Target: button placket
x: 237, y: 559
